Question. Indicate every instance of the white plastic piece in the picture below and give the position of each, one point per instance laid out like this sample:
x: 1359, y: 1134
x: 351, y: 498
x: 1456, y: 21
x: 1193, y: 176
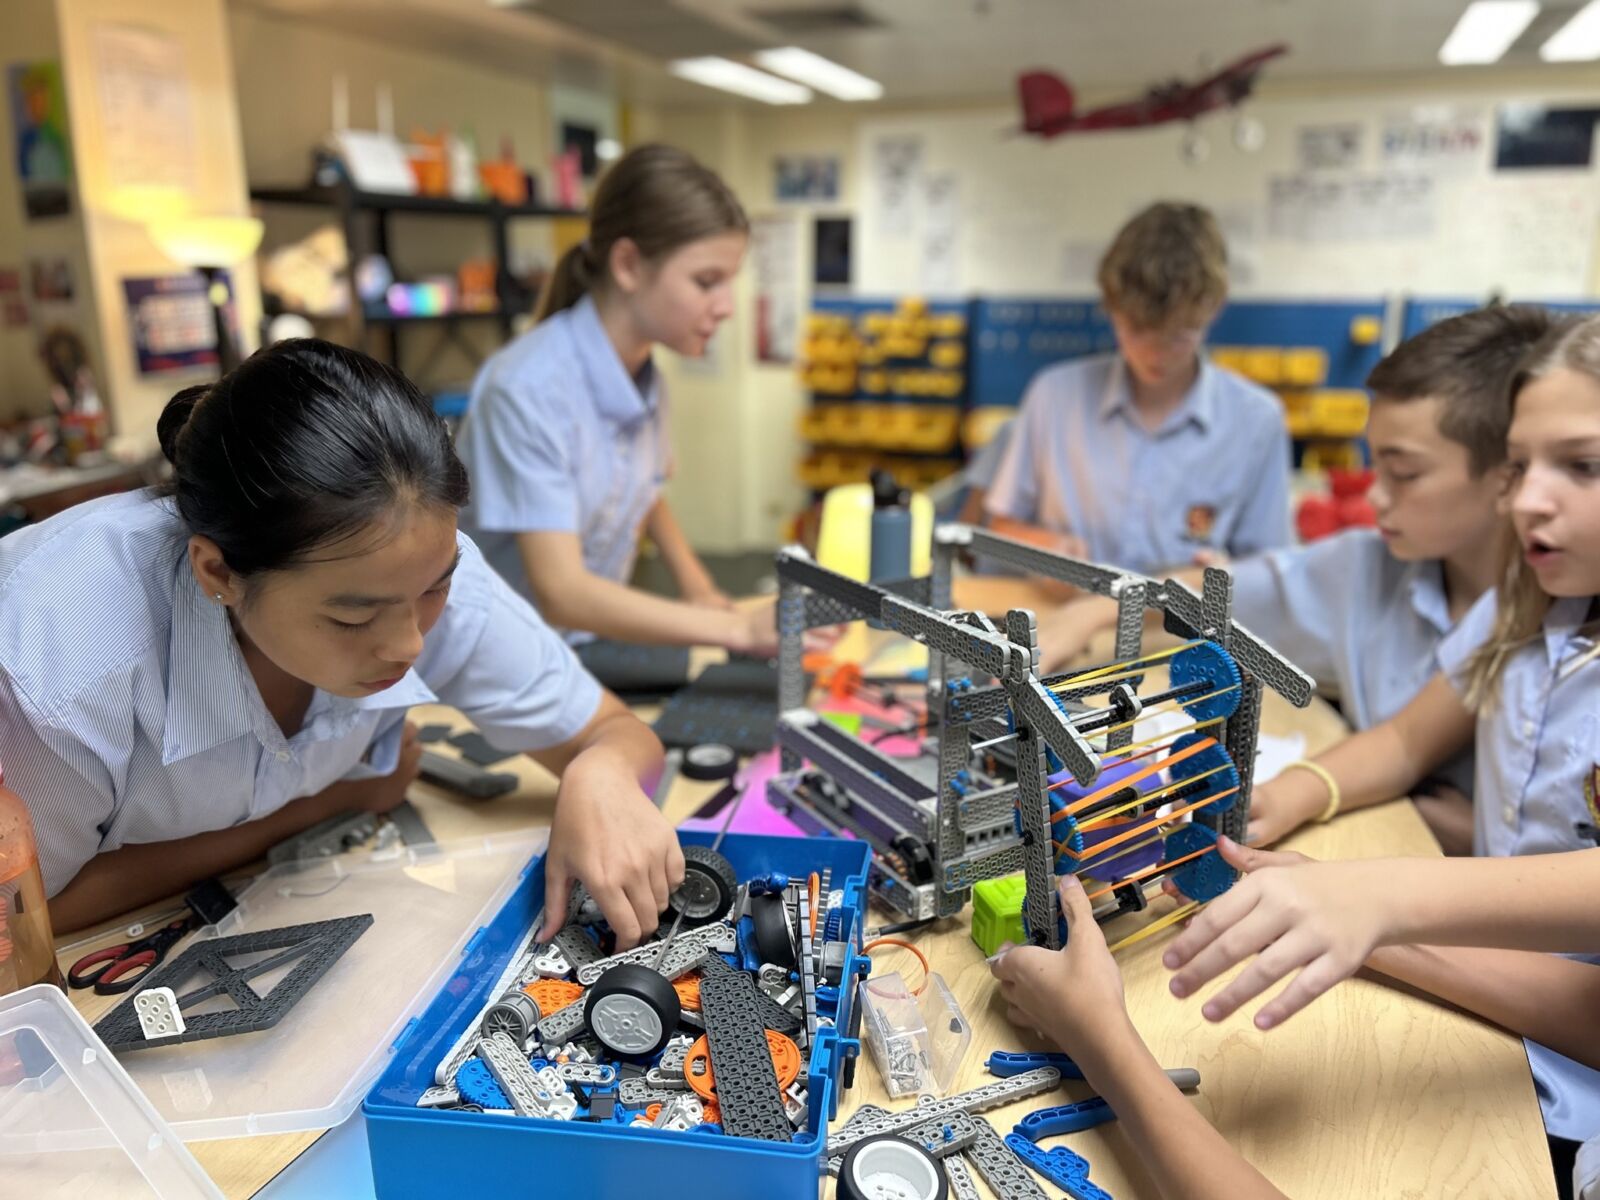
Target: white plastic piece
x: 895, y: 1170
x: 917, y: 1042
x: 158, y: 1013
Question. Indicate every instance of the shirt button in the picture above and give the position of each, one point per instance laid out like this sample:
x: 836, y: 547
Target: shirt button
x: 1509, y: 812
x: 1527, y: 729
x: 283, y: 756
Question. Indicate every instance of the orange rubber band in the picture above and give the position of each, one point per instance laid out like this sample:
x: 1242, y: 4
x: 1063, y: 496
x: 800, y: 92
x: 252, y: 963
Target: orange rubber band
x: 1144, y: 772
x: 904, y: 945
x: 1148, y: 871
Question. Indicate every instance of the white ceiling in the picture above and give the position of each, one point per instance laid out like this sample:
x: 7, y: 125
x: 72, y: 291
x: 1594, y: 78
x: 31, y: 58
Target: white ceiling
x: 920, y: 50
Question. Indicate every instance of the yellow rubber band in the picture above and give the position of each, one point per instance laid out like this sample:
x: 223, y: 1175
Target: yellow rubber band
x: 1155, y: 927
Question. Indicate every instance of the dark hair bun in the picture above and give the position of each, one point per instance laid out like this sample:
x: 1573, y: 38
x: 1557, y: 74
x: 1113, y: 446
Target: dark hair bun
x: 175, y: 419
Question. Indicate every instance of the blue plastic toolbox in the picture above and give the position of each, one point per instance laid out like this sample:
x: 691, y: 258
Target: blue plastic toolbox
x: 438, y: 1152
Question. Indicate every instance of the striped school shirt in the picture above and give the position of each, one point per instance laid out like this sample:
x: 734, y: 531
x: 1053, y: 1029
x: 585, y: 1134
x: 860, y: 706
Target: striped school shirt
x: 128, y: 714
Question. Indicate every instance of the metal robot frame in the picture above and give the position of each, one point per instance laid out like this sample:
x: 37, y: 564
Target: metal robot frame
x: 935, y: 842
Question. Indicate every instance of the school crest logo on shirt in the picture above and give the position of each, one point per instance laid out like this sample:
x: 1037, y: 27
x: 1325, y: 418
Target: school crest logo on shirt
x: 1199, y: 522
x: 1591, y: 793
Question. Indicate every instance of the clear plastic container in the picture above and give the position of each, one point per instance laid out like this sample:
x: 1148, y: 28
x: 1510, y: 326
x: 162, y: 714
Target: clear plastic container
x: 917, y: 1041
x: 311, y: 1070
x: 72, y: 1124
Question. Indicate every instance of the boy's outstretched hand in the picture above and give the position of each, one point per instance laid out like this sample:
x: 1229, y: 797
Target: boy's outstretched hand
x: 1065, y: 995
x: 1321, y: 919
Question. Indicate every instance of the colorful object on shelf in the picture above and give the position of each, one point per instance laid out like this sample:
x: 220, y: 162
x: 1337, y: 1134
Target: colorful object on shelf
x: 884, y: 381
x: 502, y: 178
x: 1343, y: 506
x: 475, y: 286
x: 430, y: 298
x: 430, y: 165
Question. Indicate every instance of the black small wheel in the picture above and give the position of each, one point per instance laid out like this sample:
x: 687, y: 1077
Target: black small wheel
x: 709, y: 761
x: 918, y: 858
x: 632, y: 1011
x: 706, y: 893
x: 515, y: 1013
x: 770, y: 918
x: 887, y: 1167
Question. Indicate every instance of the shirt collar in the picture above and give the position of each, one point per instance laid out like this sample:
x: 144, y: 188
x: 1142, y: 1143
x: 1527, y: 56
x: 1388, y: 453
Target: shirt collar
x: 616, y: 393
x: 212, y: 697
x: 1425, y: 590
x: 1561, y: 625
x: 1198, y: 405
x: 209, y: 688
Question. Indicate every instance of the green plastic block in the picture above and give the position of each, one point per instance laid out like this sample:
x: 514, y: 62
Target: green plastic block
x: 997, y: 912
x: 849, y: 722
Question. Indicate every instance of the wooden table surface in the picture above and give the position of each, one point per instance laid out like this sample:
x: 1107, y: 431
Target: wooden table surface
x: 1368, y: 1093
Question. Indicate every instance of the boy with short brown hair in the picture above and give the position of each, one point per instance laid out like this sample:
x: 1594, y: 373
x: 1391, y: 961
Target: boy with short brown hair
x: 1150, y: 457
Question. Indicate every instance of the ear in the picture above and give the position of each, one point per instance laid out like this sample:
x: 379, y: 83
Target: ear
x: 626, y: 266
x: 213, y: 575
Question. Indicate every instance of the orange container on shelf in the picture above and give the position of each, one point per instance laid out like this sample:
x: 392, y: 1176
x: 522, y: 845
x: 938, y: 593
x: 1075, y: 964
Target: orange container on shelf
x: 27, y: 950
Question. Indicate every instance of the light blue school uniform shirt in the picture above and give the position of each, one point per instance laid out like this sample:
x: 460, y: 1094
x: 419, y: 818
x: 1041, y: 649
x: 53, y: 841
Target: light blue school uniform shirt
x: 1363, y: 624
x: 128, y: 715
x: 1214, y: 476
x: 1538, y: 770
x: 559, y: 436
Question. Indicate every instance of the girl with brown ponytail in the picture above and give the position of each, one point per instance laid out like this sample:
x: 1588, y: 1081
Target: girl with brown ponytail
x: 566, y: 436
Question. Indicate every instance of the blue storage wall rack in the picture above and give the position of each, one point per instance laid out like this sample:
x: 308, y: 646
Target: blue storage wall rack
x: 1013, y: 339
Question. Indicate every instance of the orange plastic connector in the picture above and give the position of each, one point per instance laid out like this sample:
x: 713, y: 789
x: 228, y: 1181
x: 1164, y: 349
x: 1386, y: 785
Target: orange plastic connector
x: 697, y: 1064
x: 688, y: 989
x: 552, y: 995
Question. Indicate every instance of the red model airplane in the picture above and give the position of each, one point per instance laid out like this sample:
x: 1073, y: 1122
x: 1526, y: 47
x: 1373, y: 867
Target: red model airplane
x: 1048, y: 101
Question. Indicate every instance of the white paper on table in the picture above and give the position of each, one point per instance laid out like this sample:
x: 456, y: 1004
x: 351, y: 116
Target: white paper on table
x: 1274, y: 754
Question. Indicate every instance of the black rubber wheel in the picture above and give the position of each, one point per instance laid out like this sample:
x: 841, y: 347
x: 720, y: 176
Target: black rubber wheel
x: 887, y: 1167
x: 709, y: 761
x: 632, y: 1011
x: 706, y: 893
x: 918, y: 858
x: 774, y: 943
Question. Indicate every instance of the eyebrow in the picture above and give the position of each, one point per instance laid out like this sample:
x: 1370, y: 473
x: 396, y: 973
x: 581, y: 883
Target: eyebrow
x: 1398, y: 452
x: 362, y: 600
x: 1586, y: 442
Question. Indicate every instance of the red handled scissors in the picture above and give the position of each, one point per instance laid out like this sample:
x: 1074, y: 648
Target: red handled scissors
x: 118, y: 969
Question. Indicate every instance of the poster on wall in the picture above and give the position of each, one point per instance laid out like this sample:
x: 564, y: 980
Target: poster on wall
x: 1534, y: 234
x: 170, y: 319
x: 39, y: 132
x: 1328, y: 147
x: 13, y: 307
x: 1438, y: 140
x: 805, y: 179
x: 50, y: 280
x: 1379, y: 206
x: 146, y: 111
x: 895, y: 167
x: 941, y: 233
x: 775, y: 262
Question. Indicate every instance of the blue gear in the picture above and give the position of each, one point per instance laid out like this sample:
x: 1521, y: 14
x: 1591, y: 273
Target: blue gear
x: 477, y: 1086
x: 1204, y: 878
x: 833, y: 927
x: 1224, y: 780
x: 1210, y: 664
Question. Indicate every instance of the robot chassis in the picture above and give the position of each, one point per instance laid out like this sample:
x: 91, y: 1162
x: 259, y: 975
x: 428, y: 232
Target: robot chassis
x: 934, y: 843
